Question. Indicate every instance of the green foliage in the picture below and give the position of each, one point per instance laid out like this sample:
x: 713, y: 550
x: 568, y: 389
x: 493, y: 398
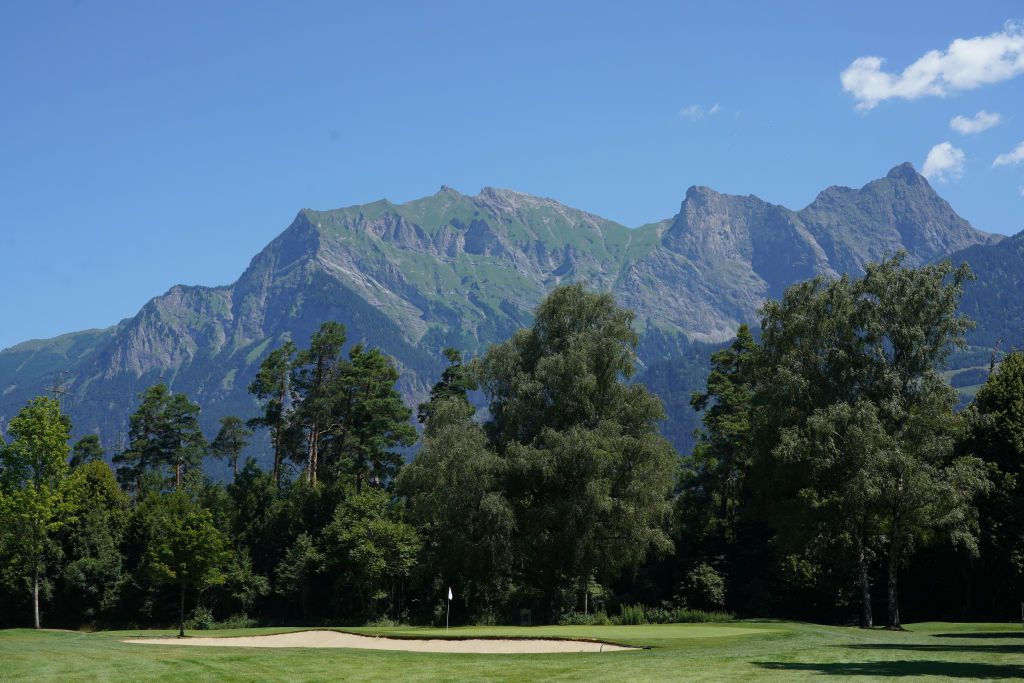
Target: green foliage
x: 367, y: 420
x: 33, y: 467
x: 337, y: 417
x: 586, y: 473
x: 370, y: 548
x: 851, y: 403
x: 599, y: 618
x: 301, y: 561
x: 236, y: 621
x: 635, y: 615
x: 86, y: 450
x: 713, y: 481
x: 243, y: 586
x: 703, y: 589
x: 683, y: 615
x: 272, y: 385
x: 462, y: 514
x: 166, y: 446
x: 994, y: 426
x: 994, y: 300
x: 829, y: 457
x: 455, y: 384
x: 94, y: 574
x: 310, y: 377
x: 201, y: 619
x: 185, y: 549
x: 230, y: 440
x: 631, y: 615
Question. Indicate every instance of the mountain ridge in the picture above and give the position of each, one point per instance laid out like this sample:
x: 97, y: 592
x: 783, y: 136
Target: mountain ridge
x: 457, y: 270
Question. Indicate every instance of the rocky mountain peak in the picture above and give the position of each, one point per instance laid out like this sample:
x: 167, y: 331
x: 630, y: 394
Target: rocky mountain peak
x: 700, y: 194
x: 507, y: 199
x: 908, y: 174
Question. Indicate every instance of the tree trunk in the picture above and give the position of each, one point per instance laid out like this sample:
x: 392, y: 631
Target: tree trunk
x: 277, y: 440
x: 894, y: 603
x: 551, y: 599
x: 177, y: 475
x: 312, y: 464
x: 234, y: 468
x: 35, y: 599
x: 277, y: 459
x: 867, y: 619
x: 181, y: 614
x: 304, y: 588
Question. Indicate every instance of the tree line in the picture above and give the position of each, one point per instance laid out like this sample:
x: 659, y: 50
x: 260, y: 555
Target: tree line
x: 832, y: 475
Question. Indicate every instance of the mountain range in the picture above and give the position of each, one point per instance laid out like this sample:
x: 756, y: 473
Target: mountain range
x: 465, y: 271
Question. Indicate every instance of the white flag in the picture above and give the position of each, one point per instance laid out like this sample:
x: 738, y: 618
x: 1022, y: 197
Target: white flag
x: 449, y: 592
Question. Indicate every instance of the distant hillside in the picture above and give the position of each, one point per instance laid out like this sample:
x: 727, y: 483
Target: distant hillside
x: 995, y: 300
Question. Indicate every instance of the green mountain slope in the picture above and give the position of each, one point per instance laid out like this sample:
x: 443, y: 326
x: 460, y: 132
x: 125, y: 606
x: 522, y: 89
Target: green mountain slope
x: 995, y: 300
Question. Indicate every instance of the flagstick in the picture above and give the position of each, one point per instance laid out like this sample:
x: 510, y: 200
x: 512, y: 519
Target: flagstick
x: 447, y: 617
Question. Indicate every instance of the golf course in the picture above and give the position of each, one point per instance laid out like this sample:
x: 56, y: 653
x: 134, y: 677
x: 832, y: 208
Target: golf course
x: 738, y: 650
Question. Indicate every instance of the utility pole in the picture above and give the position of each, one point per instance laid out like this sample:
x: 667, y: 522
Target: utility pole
x: 994, y: 357
x: 59, y: 390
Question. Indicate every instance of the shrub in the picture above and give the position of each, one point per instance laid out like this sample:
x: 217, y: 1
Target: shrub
x: 487, y: 618
x: 659, y: 615
x: 599, y: 618
x: 696, y: 616
x: 703, y: 588
x: 241, y: 620
x: 632, y: 615
x: 201, y: 620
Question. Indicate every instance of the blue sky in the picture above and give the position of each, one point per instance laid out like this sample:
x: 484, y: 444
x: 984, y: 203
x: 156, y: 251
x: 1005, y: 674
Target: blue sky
x: 147, y: 144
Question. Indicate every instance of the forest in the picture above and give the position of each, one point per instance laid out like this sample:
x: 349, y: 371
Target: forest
x: 834, y: 479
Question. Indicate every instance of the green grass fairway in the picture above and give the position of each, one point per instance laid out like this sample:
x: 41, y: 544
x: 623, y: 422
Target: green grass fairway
x: 739, y: 650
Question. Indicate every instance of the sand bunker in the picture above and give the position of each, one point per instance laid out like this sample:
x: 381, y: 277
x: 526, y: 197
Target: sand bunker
x: 351, y: 640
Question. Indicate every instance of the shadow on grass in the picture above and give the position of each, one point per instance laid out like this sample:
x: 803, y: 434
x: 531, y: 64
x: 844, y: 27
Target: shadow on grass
x: 982, y: 634
x: 905, y: 668
x: 1005, y: 649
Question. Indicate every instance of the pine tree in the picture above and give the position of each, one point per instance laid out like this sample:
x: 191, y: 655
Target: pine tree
x: 232, y: 438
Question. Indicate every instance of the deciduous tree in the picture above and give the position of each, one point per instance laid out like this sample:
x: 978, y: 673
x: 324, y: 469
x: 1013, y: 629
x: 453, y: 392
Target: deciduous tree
x: 33, y: 466
x: 186, y: 549
x: 587, y: 473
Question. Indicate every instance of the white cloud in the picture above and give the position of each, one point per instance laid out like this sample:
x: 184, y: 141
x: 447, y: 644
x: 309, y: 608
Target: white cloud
x: 944, y: 162
x: 983, y: 120
x: 1010, y: 158
x: 695, y: 112
x: 966, y: 64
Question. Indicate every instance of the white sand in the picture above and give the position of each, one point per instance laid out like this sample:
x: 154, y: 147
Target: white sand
x: 351, y: 640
